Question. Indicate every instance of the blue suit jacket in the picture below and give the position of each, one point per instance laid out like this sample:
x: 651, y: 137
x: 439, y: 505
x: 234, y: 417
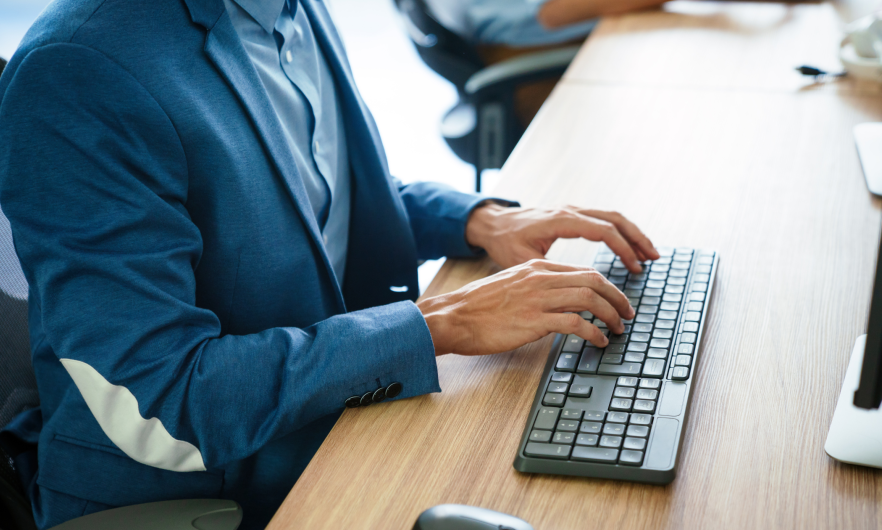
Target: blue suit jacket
x: 189, y: 337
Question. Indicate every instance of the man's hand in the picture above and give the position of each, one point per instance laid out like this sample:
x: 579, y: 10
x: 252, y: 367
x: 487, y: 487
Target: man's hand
x: 521, y: 305
x: 512, y: 236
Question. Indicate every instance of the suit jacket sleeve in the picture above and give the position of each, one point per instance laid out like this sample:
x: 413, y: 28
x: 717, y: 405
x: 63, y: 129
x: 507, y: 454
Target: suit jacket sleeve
x: 93, y: 178
x: 438, y: 216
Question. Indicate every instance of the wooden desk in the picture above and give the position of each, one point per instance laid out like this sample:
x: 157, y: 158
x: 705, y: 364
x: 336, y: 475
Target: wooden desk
x: 769, y: 178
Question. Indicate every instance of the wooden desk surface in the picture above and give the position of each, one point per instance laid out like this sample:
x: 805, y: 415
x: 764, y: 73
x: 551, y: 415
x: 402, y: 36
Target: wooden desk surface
x: 771, y: 180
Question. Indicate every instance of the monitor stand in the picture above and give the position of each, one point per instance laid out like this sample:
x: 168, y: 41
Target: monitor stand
x: 855, y: 435
x: 868, y: 139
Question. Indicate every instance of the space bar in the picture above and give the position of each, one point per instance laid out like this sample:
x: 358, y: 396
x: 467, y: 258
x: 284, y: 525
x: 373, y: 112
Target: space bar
x: 619, y: 369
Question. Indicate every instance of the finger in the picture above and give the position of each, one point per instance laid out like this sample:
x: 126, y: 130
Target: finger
x: 544, y: 265
x: 571, y: 323
x: 570, y: 224
x: 593, y: 280
x: 575, y: 299
x: 628, y: 230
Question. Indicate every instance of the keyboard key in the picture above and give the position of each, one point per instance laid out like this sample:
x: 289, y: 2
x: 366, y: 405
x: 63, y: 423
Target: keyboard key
x: 637, y: 277
x: 653, y: 292
x: 669, y: 306
x: 667, y: 315
x: 696, y: 297
x: 567, y: 362
x: 540, y: 436
x: 633, y: 302
x: 634, y: 357
x: 633, y: 293
x: 611, y: 358
x: 641, y: 328
x: 691, y: 327
x: 594, y: 415
x: 567, y: 425
x: 655, y: 284
x: 680, y: 373
x: 589, y: 362
x: 654, y: 368
x: 685, y: 348
x: 639, y: 431
x: 706, y: 260
x: 587, y: 315
x: 683, y: 360
x: 610, y: 441
x: 665, y: 251
x: 665, y: 324
x: 693, y: 316
x: 546, y: 419
x: 618, y: 272
x: 641, y: 419
x: 701, y: 278
x: 635, y: 285
x: 679, y: 265
x: 653, y: 384
x: 614, y: 429
x: 660, y: 343
x: 645, y: 393
x: 645, y: 318
x: 619, y: 369
x: 699, y: 287
x: 635, y: 444
x: 563, y: 438
x: 581, y: 391
x: 627, y: 381
x: 573, y: 343
x: 561, y: 377
x: 687, y: 338
x: 703, y: 269
x: 615, y: 348
x: 681, y: 280
x: 556, y: 451
x: 554, y: 400
x: 683, y: 250
x: 618, y: 339
x: 658, y: 275
x: 631, y: 458
x: 644, y: 405
x: 617, y: 417
x: 677, y: 273
x: 571, y: 414
x: 651, y: 300
x: 600, y: 323
x: 595, y: 454
x: 663, y: 334
x: 640, y: 337
x: 637, y: 346
x: 623, y: 405
x: 591, y: 427
x: 660, y: 267
x: 587, y: 439
x: 624, y: 392
x: 558, y: 388
x: 671, y: 297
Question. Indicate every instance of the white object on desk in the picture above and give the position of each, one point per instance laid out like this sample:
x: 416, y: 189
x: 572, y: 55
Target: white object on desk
x: 855, y: 435
x: 868, y: 139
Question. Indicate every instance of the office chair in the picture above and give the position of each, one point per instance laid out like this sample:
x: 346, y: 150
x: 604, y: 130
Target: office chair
x: 18, y: 392
x: 481, y: 128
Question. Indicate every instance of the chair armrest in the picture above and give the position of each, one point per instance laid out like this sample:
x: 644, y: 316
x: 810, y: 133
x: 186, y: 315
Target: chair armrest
x: 191, y: 514
x: 529, y: 67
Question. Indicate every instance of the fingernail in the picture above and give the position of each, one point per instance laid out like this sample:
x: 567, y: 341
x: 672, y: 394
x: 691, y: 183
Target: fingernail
x: 631, y: 313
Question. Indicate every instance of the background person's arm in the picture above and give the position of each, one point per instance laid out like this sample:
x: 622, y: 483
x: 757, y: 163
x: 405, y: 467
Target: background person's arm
x: 557, y: 13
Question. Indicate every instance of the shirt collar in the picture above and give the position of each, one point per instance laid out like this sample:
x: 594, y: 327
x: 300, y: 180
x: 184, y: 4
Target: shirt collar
x: 265, y: 12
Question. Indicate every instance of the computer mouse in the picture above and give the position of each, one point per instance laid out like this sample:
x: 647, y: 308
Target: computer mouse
x: 461, y: 517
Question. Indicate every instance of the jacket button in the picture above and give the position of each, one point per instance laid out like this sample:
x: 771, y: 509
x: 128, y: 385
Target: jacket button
x: 353, y: 402
x: 366, y: 399
x: 393, y: 390
x: 379, y: 395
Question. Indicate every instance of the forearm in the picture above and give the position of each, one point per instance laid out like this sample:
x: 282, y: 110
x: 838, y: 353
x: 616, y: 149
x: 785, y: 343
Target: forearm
x: 557, y: 13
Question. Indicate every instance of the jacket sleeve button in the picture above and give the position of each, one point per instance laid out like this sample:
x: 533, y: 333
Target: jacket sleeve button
x: 353, y: 402
x: 379, y: 395
x: 366, y: 399
x: 393, y: 390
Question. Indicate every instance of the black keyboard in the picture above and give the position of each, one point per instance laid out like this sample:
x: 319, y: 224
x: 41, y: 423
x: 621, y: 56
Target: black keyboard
x: 619, y: 412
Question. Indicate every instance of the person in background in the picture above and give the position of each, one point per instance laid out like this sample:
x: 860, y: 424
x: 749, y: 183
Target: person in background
x: 503, y: 29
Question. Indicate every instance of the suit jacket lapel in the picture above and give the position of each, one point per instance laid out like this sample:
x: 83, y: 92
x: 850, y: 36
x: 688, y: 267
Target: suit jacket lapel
x: 223, y: 47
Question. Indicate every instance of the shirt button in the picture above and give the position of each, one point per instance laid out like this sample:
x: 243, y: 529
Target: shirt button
x: 315, y: 146
x: 325, y: 238
x: 288, y: 56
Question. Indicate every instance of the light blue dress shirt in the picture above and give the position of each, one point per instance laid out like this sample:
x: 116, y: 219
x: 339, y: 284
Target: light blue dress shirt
x: 508, y: 22
x: 280, y: 42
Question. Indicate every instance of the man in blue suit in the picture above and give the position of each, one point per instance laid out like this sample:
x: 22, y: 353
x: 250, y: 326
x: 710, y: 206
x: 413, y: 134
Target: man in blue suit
x: 219, y: 260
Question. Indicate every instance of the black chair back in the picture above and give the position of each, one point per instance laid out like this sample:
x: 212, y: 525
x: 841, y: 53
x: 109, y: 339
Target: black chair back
x: 441, y: 49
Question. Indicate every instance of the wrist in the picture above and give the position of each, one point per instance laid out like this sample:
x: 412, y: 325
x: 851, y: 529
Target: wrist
x: 440, y: 320
x: 482, y: 224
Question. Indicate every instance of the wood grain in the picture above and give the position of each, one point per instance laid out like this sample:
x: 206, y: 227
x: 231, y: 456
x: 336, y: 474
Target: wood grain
x: 771, y: 180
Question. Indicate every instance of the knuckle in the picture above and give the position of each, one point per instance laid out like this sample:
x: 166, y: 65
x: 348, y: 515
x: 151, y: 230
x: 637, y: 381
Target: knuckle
x: 573, y: 321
